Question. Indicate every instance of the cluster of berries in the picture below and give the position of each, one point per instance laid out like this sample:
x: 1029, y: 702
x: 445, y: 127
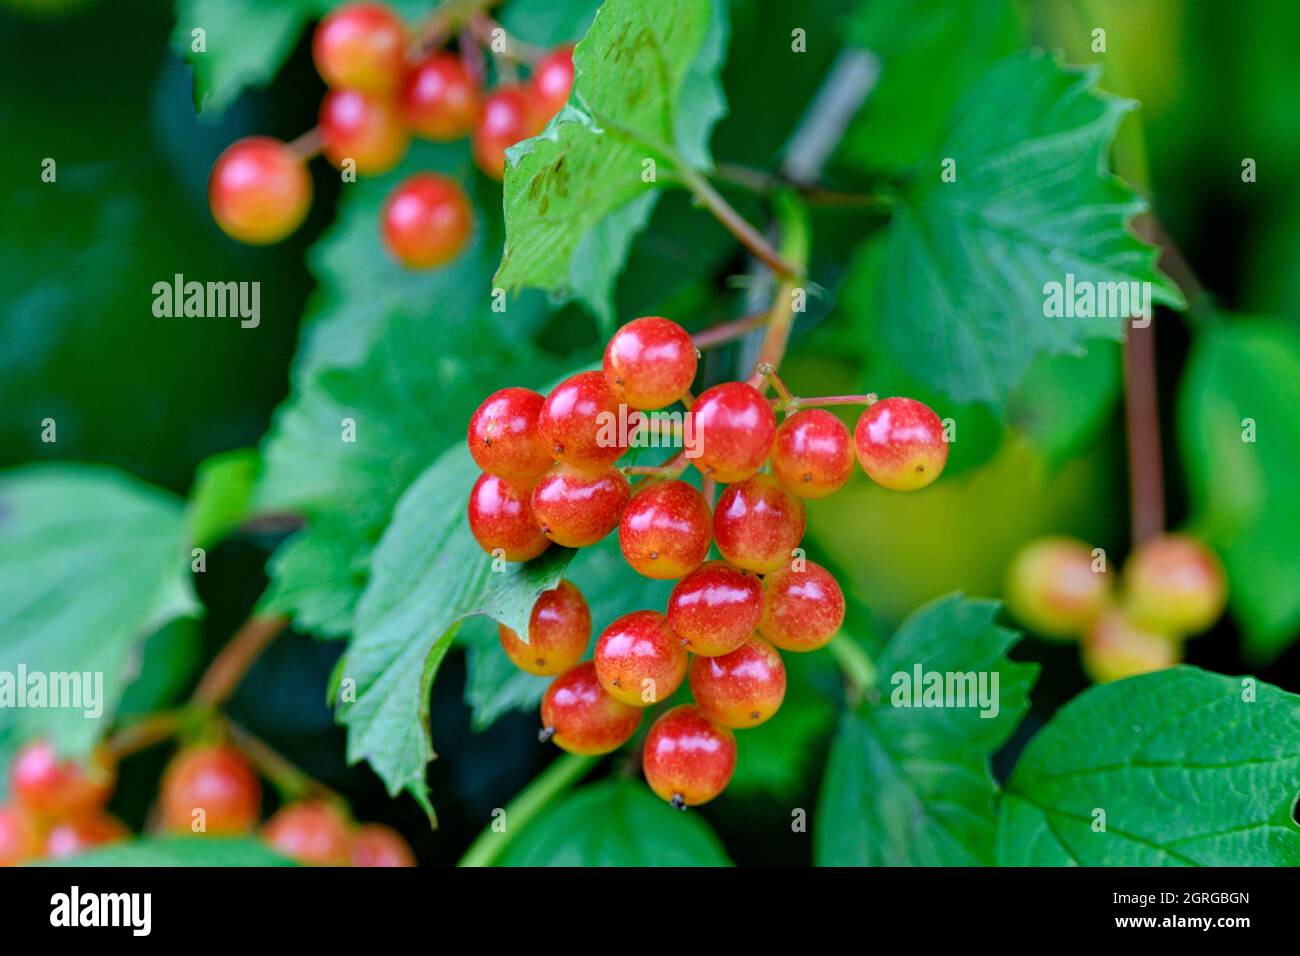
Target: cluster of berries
x: 58, y: 811
x: 1172, y: 587
x: 379, y: 96
x: 550, y: 476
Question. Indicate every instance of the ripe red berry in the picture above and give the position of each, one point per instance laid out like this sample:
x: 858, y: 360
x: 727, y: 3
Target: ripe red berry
x: 1053, y: 589
x: 506, y: 118
x: 650, y: 362
x: 715, y: 608
x: 734, y: 429
x: 500, y: 517
x: 580, y: 717
x: 579, y: 423
x: 901, y: 444
x: 665, y: 530
x: 439, y: 99
x: 426, y: 221
x: 576, y: 509
x: 504, y: 437
x: 73, y: 835
x: 802, y: 610
x: 360, y: 46
x: 688, y: 759
x: 757, y: 524
x: 217, y: 780
x: 551, y: 81
x: 375, y: 845
x: 741, y: 689
x: 1175, y: 585
x: 364, y: 128
x: 639, y: 660
x: 49, y: 788
x: 19, y: 837
x: 259, y: 191
x: 813, y: 454
x: 311, y: 832
x: 1116, y: 647
x: 559, y: 629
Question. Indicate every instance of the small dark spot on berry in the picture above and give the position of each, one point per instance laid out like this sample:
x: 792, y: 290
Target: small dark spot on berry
x: 654, y: 555
x: 545, y: 734
x: 753, y: 715
x: 541, y: 662
x: 616, y: 682
x: 920, y: 469
x: 807, y: 476
x: 678, y: 802
x: 559, y: 449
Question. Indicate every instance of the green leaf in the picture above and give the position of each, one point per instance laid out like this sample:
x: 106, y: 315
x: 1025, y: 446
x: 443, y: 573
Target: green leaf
x: 91, y: 563
x: 615, y: 823
x: 1190, y: 769
x: 911, y: 786
x: 427, y: 574
x: 180, y: 851
x: 222, y: 495
x: 968, y: 261
x: 574, y: 196
x: 1243, y: 382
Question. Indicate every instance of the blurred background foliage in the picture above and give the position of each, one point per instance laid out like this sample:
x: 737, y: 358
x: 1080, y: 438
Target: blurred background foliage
x: 99, y: 87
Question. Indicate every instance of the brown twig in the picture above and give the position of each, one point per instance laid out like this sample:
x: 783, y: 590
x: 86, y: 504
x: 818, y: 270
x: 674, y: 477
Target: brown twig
x: 729, y: 331
x: 228, y: 668
x: 292, y: 782
x: 1142, y: 417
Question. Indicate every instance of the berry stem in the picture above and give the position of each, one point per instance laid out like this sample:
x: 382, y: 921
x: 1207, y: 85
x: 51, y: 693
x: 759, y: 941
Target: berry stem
x: 563, y: 772
x: 438, y: 27
x: 229, y: 667
x: 673, y: 467
x: 291, y: 782
x: 735, y: 223
x: 795, y: 402
x: 307, y: 145
x: 762, y: 183
x: 792, y: 218
x: 1142, y: 415
x: 144, y: 733
x: 482, y: 26
x: 859, y: 670
x: 729, y: 331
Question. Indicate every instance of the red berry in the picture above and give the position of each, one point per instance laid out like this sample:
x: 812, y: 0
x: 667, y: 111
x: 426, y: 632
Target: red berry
x: 375, y: 845
x: 813, y: 454
x: 364, y: 128
x: 360, y: 46
x: 734, y: 428
x: 1116, y: 647
x: 217, y: 780
x: 639, y: 660
x: 426, y: 221
x: 507, y: 117
x: 665, y: 530
x: 740, y: 689
x: 802, y: 610
x: 500, y: 517
x: 650, y: 362
x: 688, y: 759
x: 580, y: 717
x: 311, y: 832
x: 576, y: 509
x: 579, y: 422
x: 504, y: 437
x: 1175, y: 585
x: 73, y: 835
x: 19, y: 838
x: 48, y: 787
x: 559, y: 629
x: 757, y: 524
x: 259, y: 190
x: 551, y: 81
x: 715, y: 608
x: 900, y: 443
x: 1052, y: 588
x: 439, y: 99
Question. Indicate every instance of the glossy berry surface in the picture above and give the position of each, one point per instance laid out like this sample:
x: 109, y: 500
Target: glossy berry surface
x: 74, y: 835
x: 506, y: 118
x: 812, y: 454
x: 757, y: 524
x: 439, y: 99
x: 580, y: 717
x: 1116, y: 648
x: 734, y: 430
x: 741, y: 689
x: 259, y: 191
x: 575, y: 508
x: 375, y: 845
x: 559, y: 630
x: 504, y: 438
x: 650, y: 362
x: 639, y: 660
x: 310, y: 832
x: 360, y: 46
x: 665, y: 530
x: 501, y: 519
x: 900, y: 444
x: 48, y: 787
x: 1052, y: 588
x: 364, y: 128
x: 551, y: 82
x: 579, y: 422
x: 802, y: 610
x: 1175, y: 585
x: 19, y: 837
x: 426, y: 221
x: 688, y: 759
x: 715, y: 608
x: 217, y: 780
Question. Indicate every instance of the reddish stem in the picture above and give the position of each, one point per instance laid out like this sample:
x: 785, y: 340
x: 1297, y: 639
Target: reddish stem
x: 1142, y: 415
x: 229, y: 667
x: 729, y: 331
